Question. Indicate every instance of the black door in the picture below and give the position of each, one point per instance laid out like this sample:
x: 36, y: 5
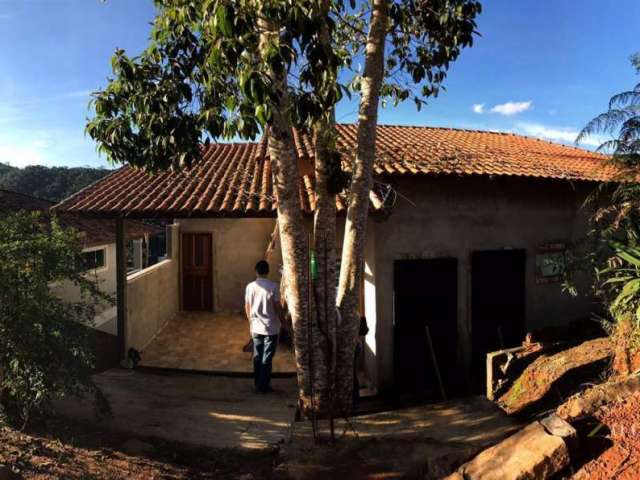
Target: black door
x: 497, y: 304
x: 425, y: 294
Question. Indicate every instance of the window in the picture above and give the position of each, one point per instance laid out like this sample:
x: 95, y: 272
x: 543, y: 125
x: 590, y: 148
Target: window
x: 551, y: 262
x: 95, y: 259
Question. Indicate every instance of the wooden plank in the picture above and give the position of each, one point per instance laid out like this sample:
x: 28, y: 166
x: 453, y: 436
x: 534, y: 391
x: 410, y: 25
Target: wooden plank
x: 121, y: 285
x: 435, y: 364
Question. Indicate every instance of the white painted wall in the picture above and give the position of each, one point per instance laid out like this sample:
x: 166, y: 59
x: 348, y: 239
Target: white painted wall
x: 153, y: 296
x: 106, y: 280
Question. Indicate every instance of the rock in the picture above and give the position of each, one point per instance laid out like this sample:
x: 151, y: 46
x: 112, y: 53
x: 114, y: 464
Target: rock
x: 454, y: 476
x: 247, y: 476
x: 530, y: 453
x: 5, y: 472
x: 555, y: 425
x: 137, y: 447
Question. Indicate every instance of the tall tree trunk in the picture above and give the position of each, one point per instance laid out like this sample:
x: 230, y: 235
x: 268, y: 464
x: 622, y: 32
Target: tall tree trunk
x: 352, y: 267
x: 293, y: 239
x: 324, y: 241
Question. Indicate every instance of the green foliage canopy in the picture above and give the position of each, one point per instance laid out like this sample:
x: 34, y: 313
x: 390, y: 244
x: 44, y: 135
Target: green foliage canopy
x: 202, y: 77
x: 44, y: 349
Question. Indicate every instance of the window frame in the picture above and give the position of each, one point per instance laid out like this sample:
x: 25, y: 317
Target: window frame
x: 105, y: 254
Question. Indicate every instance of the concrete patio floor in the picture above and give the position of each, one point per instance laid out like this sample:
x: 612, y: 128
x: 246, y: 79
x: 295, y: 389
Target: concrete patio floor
x: 224, y: 412
x: 418, y: 442
x: 211, y: 343
x: 218, y: 412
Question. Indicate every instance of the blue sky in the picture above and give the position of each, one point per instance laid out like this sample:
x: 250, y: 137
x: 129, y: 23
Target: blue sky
x: 541, y: 68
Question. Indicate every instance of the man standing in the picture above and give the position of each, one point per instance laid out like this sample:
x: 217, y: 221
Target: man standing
x: 262, y: 307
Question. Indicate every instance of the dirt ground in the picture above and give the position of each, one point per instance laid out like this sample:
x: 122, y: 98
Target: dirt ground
x: 79, y: 451
x: 621, y: 460
x: 574, y: 365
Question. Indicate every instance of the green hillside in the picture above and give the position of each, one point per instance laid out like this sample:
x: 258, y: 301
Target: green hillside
x: 50, y: 183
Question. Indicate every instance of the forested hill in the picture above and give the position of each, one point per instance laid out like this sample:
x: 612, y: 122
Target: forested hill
x: 50, y: 183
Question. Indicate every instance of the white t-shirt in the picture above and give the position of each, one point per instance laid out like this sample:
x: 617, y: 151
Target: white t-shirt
x: 262, y: 296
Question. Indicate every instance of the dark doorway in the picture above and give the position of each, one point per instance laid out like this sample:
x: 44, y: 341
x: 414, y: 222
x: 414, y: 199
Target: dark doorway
x: 497, y: 305
x: 197, y: 283
x: 425, y: 294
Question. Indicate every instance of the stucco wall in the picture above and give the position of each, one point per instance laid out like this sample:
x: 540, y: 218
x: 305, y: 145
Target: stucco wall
x: 452, y: 217
x: 237, y: 245
x: 105, y: 277
x: 153, y: 296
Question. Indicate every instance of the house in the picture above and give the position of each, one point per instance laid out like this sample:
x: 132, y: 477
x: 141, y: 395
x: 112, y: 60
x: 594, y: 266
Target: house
x: 98, y: 249
x: 465, y: 243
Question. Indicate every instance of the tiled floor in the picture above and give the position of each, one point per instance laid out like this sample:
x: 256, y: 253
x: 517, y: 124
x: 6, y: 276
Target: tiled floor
x: 208, y: 342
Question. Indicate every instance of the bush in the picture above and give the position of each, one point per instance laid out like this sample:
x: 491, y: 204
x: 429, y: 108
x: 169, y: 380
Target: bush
x: 44, y: 341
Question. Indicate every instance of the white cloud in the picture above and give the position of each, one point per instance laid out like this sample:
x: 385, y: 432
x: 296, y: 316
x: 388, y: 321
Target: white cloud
x: 23, y: 155
x: 556, y: 134
x: 478, y: 108
x: 512, y: 108
x: 21, y: 147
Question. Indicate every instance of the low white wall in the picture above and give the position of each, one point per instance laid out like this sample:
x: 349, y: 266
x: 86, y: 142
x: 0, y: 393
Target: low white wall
x: 104, y: 277
x: 153, y: 297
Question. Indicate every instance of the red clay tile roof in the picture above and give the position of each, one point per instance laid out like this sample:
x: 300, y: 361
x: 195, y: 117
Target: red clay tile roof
x: 235, y: 179
x: 92, y: 231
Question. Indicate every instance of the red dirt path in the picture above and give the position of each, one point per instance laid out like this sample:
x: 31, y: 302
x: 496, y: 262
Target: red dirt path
x: 622, y: 460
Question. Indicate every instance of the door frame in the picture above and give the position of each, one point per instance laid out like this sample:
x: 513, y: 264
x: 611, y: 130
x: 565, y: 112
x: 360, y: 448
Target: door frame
x: 181, y: 265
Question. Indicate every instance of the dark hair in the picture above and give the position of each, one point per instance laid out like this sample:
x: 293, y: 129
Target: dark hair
x: 262, y: 268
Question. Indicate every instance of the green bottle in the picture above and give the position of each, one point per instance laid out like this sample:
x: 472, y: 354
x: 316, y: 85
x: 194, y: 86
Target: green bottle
x: 313, y: 266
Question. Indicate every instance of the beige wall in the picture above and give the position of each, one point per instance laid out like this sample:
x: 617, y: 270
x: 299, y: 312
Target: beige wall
x: 153, y: 296
x: 105, y: 278
x: 238, y: 244
x: 452, y: 217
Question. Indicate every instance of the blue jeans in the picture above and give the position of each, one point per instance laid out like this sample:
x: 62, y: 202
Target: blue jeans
x: 264, y: 348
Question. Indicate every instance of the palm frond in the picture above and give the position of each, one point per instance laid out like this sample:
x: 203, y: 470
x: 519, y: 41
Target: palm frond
x: 606, y: 122
x: 631, y: 97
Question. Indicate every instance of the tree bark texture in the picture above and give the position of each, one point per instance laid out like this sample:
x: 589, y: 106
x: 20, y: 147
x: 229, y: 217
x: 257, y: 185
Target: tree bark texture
x: 324, y: 243
x: 293, y: 239
x: 351, y: 272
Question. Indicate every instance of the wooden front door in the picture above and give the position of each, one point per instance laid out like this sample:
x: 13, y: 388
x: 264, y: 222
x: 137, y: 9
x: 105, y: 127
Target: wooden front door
x: 197, y: 281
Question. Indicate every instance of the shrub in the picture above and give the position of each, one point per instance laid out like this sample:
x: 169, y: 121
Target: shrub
x: 44, y: 341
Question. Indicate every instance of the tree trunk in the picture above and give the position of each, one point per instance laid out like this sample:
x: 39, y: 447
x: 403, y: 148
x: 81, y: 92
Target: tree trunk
x: 324, y: 244
x: 324, y: 241
x: 352, y: 267
x: 293, y: 240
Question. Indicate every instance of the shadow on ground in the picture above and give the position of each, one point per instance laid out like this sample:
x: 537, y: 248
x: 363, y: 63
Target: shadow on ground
x: 213, y: 411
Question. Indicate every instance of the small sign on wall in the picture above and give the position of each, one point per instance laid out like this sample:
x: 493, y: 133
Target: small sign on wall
x: 551, y: 262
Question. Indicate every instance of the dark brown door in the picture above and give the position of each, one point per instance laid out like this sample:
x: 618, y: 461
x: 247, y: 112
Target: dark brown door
x: 425, y: 295
x: 497, y: 305
x: 197, y: 283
